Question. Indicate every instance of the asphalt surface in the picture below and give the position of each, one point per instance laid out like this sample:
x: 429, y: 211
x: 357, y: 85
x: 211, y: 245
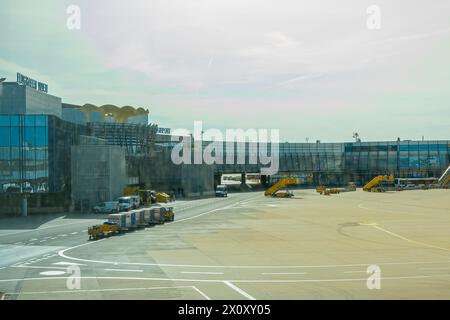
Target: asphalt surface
x: 245, y: 246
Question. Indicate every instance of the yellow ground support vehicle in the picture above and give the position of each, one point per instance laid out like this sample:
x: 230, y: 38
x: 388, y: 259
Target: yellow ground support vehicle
x: 320, y: 189
x: 130, y: 191
x: 147, y: 197
x: 273, y: 190
x: 373, y: 185
x: 351, y: 186
x: 162, y: 197
x: 101, y: 230
x: 334, y: 190
x: 169, y: 214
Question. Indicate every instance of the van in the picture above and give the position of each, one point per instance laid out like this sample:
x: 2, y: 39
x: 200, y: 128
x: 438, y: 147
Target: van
x: 106, y: 207
x: 126, y: 203
x: 221, y: 191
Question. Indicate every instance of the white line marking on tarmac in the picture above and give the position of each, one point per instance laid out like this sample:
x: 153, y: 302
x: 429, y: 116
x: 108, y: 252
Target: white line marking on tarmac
x: 124, y: 270
x: 281, y: 273
x: 43, y: 228
x: 38, y: 267
x: 437, y: 268
x: 409, y: 240
x: 61, y: 253
x: 64, y: 263
x: 200, y: 272
x: 201, y: 292
x: 239, y: 290
x: 98, y: 290
x: 222, y: 281
x: 52, y: 273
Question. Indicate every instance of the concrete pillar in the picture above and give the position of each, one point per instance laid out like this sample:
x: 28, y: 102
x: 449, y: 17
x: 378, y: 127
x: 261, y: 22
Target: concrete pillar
x: 217, y: 180
x: 24, y: 206
x: 243, y: 179
x: 264, y: 180
x: 38, y: 201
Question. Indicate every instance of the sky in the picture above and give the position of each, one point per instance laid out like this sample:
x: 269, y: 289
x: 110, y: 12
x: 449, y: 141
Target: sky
x: 312, y: 69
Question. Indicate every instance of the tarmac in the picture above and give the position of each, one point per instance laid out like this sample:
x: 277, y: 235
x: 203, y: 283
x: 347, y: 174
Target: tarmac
x: 354, y: 245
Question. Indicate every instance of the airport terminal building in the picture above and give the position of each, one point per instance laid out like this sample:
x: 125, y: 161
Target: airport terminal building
x: 37, y: 132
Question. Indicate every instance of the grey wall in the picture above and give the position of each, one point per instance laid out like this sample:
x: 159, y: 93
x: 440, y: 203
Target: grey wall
x: 159, y: 173
x: 12, y: 98
x: 19, y: 99
x: 38, y: 102
x: 98, y: 173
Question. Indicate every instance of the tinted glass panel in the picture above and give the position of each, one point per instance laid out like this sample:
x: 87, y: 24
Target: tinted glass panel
x: 15, y: 136
x: 30, y: 136
x: 41, y: 120
x: 4, y: 121
x: 30, y: 120
x: 41, y: 136
x: 5, y: 136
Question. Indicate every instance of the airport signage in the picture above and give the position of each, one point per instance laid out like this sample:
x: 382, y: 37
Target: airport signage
x: 29, y: 82
x: 163, y: 130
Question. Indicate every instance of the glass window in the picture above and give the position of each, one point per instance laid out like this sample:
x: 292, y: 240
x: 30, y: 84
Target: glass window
x: 30, y: 136
x: 41, y: 136
x: 5, y: 136
x: 30, y: 120
x: 15, y: 120
x: 4, y: 121
x: 5, y: 153
x: 15, y: 136
x: 41, y: 154
x: 41, y: 120
x: 414, y: 161
x: 15, y: 153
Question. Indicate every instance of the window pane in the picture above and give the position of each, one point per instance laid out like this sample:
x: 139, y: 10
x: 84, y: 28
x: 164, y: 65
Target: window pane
x: 5, y: 136
x: 15, y: 136
x: 30, y: 136
x: 30, y: 120
x: 4, y: 153
x: 14, y: 120
x: 41, y: 136
x: 4, y: 121
x: 41, y: 120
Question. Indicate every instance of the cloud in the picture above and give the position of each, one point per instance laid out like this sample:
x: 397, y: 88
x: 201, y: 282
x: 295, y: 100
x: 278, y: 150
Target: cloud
x: 301, y: 78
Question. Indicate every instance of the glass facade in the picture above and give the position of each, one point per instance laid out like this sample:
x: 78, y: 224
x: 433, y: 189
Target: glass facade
x: 24, y: 161
x: 138, y: 139
x: 35, y: 152
x: 337, y: 163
